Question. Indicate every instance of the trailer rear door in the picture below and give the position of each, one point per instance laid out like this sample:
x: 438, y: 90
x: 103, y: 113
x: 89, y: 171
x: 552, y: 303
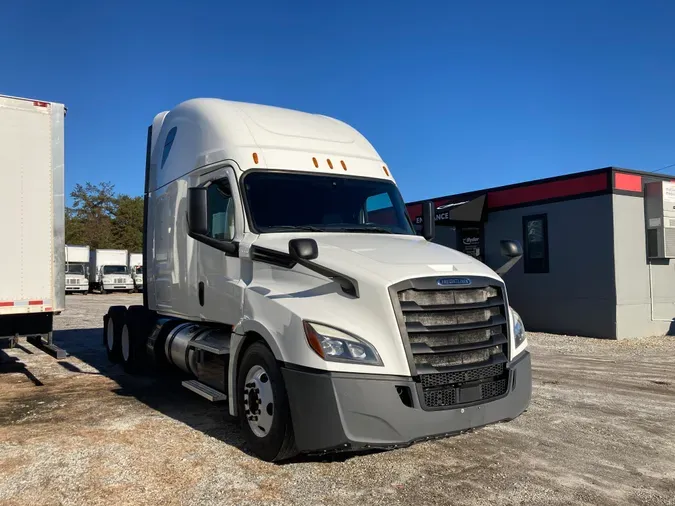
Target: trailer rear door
x: 31, y: 219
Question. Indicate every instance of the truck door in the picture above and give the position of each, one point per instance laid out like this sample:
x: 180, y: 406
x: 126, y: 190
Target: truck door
x: 218, y: 290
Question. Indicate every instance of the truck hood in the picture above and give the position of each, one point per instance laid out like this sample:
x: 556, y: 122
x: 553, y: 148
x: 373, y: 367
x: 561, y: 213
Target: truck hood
x: 375, y: 261
x: 389, y: 257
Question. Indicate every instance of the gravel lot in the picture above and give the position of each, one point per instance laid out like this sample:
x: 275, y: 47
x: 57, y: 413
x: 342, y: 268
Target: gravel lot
x: 600, y: 430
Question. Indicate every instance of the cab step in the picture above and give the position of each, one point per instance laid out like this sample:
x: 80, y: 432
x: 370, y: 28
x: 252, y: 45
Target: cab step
x: 212, y: 345
x: 205, y: 391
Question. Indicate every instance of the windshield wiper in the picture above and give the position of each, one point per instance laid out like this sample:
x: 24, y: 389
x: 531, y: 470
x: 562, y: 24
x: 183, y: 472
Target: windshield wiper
x: 365, y: 228
x: 284, y: 228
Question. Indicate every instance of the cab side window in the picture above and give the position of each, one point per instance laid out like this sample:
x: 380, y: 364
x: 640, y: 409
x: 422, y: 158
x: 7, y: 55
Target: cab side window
x: 220, y: 210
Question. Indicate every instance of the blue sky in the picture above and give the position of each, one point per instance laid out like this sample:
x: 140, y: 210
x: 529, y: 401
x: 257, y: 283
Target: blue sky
x: 455, y: 96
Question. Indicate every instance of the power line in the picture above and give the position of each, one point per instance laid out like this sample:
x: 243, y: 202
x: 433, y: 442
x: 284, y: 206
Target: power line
x: 664, y: 168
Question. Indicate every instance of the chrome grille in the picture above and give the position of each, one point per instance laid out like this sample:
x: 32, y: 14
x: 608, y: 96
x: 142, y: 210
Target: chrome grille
x: 120, y: 281
x: 458, y: 338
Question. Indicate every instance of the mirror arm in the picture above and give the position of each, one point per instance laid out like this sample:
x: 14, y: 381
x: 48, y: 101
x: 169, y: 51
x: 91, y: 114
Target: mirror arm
x: 507, y: 266
x: 230, y: 248
x: 349, y: 285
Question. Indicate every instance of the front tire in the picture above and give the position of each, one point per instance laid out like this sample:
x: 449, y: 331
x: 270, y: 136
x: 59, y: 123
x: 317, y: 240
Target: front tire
x: 262, y: 404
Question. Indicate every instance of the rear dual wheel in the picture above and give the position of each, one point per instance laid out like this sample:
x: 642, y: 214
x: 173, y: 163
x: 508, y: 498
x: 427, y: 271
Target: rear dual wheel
x: 125, y: 335
x: 112, y: 332
x: 134, y: 338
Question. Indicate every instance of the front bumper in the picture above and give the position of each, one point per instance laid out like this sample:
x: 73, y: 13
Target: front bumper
x: 118, y: 286
x: 342, y: 412
x: 77, y: 288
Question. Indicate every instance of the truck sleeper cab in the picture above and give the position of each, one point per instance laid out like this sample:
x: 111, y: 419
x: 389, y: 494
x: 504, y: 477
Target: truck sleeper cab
x: 285, y: 279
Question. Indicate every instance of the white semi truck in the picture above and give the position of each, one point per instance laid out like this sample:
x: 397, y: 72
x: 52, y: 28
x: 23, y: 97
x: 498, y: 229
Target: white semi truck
x: 285, y: 278
x: 109, y: 272
x: 77, y: 269
x: 32, y: 204
x: 136, y: 270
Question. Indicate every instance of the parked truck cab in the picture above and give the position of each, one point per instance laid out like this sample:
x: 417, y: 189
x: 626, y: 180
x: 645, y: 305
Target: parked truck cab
x: 77, y: 269
x: 136, y: 270
x: 110, y: 271
x: 285, y: 278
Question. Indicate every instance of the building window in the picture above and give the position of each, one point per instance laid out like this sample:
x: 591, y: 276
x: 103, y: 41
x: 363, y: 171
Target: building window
x: 535, y: 233
x: 221, y: 211
x: 167, y: 145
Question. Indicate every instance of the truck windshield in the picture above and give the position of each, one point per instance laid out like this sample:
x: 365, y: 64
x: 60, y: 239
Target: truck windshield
x: 139, y: 269
x: 115, y: 269
x: 75, y: 269
x: 280, y: 201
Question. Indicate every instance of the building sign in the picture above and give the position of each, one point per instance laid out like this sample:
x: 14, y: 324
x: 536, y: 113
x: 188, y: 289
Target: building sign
x: 452, y: 212
x: 469, y: 241
x: 443, y: 215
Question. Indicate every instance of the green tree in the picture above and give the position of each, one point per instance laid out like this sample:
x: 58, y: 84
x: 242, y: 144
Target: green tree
x: 127, y: 224
x: 99, y: 218
x: 91, y: 215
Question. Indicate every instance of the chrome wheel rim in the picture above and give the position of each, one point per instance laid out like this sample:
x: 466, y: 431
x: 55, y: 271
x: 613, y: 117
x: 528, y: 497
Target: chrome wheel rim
x: 110, y: 334
x: 125, y: 343
x: 259, y: 401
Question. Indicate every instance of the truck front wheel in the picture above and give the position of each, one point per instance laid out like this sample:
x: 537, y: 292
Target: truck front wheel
x: 263, y: 405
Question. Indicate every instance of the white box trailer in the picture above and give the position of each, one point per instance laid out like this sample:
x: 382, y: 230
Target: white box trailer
x: 77, y: 269
x: 136, y: 270
x: 32, y: 286
x: 285, y: 277
x: 109, y: 272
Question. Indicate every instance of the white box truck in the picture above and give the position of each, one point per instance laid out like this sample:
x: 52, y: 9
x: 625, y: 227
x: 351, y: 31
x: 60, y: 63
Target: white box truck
x: 136, y: 270
x: 77, y: 269
x: 32, y: 203
x: 285, y: 278
x: 109, y: 272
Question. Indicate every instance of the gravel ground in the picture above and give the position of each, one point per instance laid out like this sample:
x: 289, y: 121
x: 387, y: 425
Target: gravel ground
x: 600, y: 430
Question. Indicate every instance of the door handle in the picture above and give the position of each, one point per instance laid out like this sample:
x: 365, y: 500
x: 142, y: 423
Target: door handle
x: 201, y: 293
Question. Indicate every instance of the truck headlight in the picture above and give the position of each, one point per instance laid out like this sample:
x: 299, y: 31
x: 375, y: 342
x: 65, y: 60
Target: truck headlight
x: 337, y: 346
x: 519, y: 338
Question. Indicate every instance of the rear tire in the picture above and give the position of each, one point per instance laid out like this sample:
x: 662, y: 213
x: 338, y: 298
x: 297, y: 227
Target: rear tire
x: 134, y: 338
x: 262, y: 405
x: 113, y: 332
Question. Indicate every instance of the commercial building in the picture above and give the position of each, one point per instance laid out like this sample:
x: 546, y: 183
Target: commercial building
x: 597, y: 248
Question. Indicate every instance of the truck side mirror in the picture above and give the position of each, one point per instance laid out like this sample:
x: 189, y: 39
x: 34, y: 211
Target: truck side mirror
x: 428, y: 220
x: 303, y: 249
x: 511, y: 249
x: 198, y: 221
